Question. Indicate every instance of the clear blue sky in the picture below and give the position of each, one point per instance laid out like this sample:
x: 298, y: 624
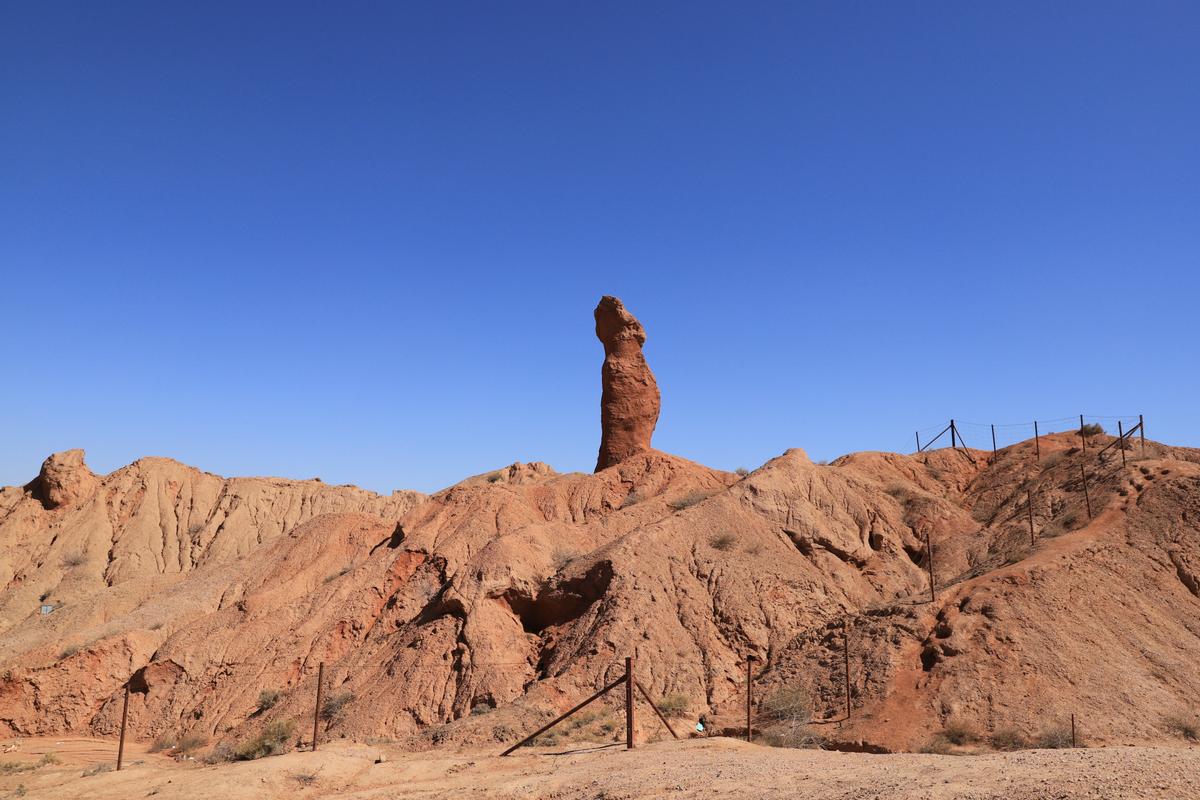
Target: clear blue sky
x: 363, y: 241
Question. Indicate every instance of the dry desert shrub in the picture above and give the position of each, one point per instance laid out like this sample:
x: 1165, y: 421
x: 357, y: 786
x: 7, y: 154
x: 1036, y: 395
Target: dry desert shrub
x: 1008, y: 739
x: 165, y: 741
x: 15, y: 767
x: 688, y: 500
x: 74, y: 560
x: 97, y: 769
x: 1185, y: 727
x: 674, y: 705
x: 742, y: 472
x: 1054, y: 738
x: 723, y: 541
x: 335, y: 704
x: 267, y: 699
x: 271, y: 741
x: 189, y: 743
x: 304, y: 778
x: 937, y: 746
x: 960, y: 732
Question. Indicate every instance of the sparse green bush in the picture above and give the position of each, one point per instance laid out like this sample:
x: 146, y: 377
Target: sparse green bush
x: 1054, y: 738
x: 1008, y: 739
x: 47, y: 759
x: 1091, y: 429
x: 957, y: 731
x: 674, y: 705
x: 271, y: 741
x: 335, y: 704
x: 1184, y: 727
x: 74, y: 560
x: 723, y: 541
x: 480, y: 709
x: 742, y: 472
x: 688, y: 500
x: 495, y: 477
x: 267, y: 699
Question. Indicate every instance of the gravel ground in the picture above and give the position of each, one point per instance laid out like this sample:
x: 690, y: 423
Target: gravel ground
x: 709, y: 768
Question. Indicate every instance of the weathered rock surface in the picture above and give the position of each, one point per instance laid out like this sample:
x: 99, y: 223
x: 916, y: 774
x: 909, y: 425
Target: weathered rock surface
x: 522, y: 590
x: 629, y: 404
x: 63, y: 479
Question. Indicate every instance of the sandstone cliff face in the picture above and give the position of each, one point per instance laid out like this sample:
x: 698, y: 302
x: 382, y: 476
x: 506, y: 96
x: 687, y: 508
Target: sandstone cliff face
x: 522, y: 591
x: 629, y: 403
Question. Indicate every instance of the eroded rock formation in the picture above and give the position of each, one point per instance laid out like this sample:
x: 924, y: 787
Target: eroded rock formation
x: 63, y: 479
x: 630, y: 402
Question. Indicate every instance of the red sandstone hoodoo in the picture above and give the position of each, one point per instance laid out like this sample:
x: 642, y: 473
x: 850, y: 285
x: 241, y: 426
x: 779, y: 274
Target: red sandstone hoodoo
x: 630, y: 401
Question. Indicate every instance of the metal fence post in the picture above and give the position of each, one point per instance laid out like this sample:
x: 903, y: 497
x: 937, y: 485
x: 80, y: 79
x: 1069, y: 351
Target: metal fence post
x: 749, y: 697
x: 1029, y: 495
x: 628, y: 702
x: 1086, y: 497
x: 929, y: 550
x: 846, y: 662
x: 124, y: 719
x: 1121, y: 438
x: 317, y: 710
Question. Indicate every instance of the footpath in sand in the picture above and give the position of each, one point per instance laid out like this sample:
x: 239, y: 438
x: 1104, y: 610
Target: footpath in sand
x: 707, y: 768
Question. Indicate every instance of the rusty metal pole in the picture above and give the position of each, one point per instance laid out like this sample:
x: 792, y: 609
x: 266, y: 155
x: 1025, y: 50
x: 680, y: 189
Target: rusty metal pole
x: 929, y: 551
x: 1073, y: 731
x: 993, y: 440
x: 1142, y: 432
x: 628, y: 702
x: 579, y: 707
x: 1037, y: 441
x: 1121, y: 439
x: 1082, y: 438
x: 317, y: 710
x: 1029, y: 495
x: 952, y: 432
x: 124, y: 719
x: 749, y: 697
x: 1086, y: 497
x: 846, y: 662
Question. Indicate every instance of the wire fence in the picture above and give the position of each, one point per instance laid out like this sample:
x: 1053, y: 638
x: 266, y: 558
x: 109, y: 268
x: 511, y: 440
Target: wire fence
x: 998, y: 435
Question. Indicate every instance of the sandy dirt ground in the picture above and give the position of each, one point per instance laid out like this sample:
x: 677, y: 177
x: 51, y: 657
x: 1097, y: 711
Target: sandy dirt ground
x: 708, y: 768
